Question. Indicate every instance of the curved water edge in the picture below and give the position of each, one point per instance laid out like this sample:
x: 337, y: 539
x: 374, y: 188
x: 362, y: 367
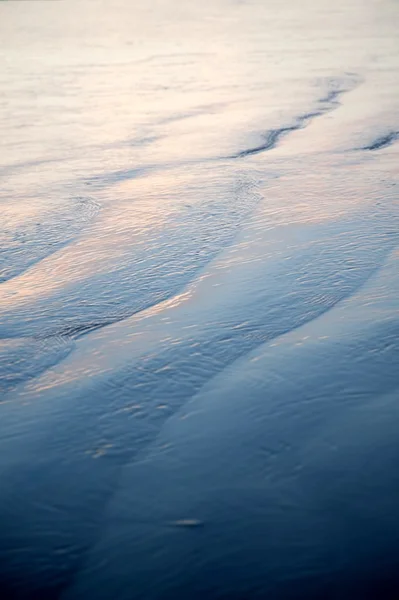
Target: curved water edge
x: 199, y: 301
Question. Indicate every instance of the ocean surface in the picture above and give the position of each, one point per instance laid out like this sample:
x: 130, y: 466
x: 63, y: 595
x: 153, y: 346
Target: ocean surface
x: 199, y: 300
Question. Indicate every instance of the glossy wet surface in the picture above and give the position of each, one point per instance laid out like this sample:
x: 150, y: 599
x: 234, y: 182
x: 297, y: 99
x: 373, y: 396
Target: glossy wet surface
x: 199, y: 300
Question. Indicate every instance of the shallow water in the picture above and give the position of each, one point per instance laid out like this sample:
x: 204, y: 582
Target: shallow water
x: 199, y: 300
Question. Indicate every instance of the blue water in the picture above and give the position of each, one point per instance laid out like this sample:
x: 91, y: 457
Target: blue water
x: 199, y: 357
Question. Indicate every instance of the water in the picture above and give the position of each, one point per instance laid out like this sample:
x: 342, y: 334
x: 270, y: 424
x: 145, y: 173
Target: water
x: 199, y: 300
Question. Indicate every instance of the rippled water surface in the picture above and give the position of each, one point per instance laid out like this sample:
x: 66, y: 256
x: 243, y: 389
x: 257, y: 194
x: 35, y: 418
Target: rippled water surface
x: 199, y: 300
